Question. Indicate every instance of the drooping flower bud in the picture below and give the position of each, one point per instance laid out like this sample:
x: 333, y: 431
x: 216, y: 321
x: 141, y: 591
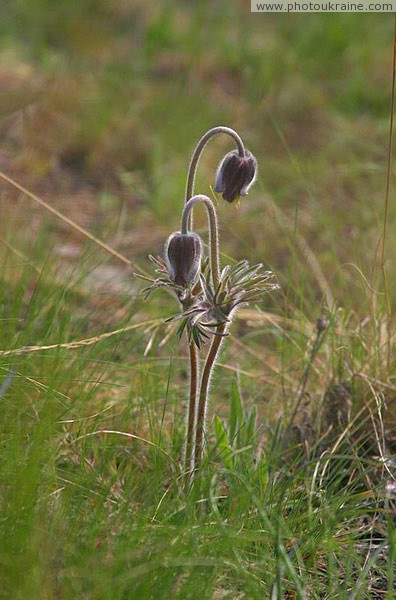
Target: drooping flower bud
x: 235, y: 174
x: 322, y: 324
x: 183, y: 253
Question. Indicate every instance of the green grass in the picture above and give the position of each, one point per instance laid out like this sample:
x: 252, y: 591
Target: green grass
x: 114, y: 96
x: 98, y: 515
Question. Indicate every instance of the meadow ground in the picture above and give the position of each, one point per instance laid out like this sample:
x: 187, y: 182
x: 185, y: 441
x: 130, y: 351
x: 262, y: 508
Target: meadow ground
x: 101, y: 105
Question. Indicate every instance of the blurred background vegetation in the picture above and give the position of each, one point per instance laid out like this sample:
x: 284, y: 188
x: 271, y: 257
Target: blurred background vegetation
x: 102, y: 102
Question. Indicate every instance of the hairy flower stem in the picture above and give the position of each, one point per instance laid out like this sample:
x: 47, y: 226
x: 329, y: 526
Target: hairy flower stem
x: 203, y: 394
x: 194, y: 358
x: 196, y: 155
x: 189, y: 462
x: 187, y: 223
x: 213, y: 232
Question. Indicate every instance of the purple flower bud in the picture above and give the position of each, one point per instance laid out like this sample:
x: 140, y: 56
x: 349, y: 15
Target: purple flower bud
x: 235, y: 174
x: 183, y: 253
x: 322, y: 324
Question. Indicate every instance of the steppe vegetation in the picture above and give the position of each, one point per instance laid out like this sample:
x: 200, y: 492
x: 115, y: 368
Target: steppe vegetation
x: 101, y: 105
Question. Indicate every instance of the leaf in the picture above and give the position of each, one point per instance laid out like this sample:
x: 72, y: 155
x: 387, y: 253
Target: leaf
x: 222, y: 442
x: 196, y: 337
x: 236, y: 412
x: 251, y: 425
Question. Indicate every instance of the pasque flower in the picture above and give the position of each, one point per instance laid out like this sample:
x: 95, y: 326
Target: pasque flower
x: 235, y: 175
x: 183, y: 253
x: 208, y: 294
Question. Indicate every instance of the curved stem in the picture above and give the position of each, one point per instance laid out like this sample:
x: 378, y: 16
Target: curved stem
x: 192, y: 417
x: 196, y: 155
x: 213, y: 233
x: 196, y: 422
x: 203, y: 394
x: 189, y: 463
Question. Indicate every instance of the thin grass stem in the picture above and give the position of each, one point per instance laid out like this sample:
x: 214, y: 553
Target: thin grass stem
x: 386, y: 203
